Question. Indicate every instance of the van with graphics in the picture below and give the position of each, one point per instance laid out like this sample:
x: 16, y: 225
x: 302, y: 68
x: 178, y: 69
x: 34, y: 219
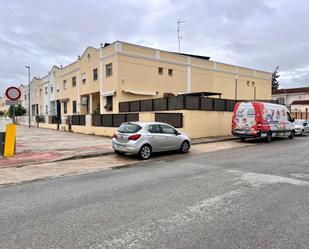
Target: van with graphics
x: 260, y: 119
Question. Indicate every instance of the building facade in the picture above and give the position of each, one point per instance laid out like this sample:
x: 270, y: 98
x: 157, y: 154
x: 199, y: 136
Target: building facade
x: 103, y: 77
x: 288, y: 96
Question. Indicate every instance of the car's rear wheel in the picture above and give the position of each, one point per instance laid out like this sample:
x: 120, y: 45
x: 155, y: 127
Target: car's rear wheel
x: 145, y: 152
x: 185, y: 147
x: 291, y: 136
x: 268, y: 137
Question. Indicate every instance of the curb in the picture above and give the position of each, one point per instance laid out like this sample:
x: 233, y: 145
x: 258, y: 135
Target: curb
x: 82, y: 156
x: 214, y: 141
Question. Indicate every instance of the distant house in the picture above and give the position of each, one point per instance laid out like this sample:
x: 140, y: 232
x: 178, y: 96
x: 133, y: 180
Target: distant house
x: 300, y: 106
x: 287, y: 96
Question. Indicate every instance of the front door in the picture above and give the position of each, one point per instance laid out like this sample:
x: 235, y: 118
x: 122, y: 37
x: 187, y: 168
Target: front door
x: 156, y: 138
x: 172, y: 139
x: 58, y: 111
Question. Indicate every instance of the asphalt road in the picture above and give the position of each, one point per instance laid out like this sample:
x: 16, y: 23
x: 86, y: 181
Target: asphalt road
x: 249, y: 197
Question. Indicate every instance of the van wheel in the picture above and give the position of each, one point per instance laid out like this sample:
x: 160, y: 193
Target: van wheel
x: 184, y: 148
x: 268, y: 137
x: 292, y: 134
x: 144, y: 152
x: 243, y: 139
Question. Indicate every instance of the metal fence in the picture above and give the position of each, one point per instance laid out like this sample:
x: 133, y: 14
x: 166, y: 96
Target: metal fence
x: 300, y: 115
x: 77, y: 119
x: 178, y: 103
x: 54, y: 119
x: 174, y: 119
x: 113, y: 120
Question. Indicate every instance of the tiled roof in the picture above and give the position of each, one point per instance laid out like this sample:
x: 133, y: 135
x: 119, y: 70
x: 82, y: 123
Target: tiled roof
x: 291, y: 90
x: 300, y: 102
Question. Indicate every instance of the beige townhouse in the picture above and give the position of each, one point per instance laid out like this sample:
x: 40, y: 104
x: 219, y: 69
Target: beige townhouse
x: 103, y: 77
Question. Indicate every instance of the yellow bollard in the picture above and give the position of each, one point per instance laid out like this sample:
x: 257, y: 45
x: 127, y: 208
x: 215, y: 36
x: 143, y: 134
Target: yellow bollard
x: 10, y: 136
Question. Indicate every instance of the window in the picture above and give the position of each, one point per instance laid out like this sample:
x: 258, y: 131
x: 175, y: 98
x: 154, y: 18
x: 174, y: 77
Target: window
x: 41, y: 92
x: 65, y: 107
x: 109, y: 103
x: 74, y: 106
x: 129, y: 128
x: 84, y: 78
x: 51, y: 89
x: 89, y: 58
x: 25, y: 96
x: 168, y: 130
x: 46, y: 90
x: 289, y: 117
x: 170, y: 72
x: 46, y: 109
x: 64, y: 84
x: 109, y: 69
x: 154, y: 129
x: 73, y: 81
x: 95, y: 74
x: 160, y: 70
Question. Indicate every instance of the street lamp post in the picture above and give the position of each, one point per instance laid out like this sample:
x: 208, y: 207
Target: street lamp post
x: 29, y: 96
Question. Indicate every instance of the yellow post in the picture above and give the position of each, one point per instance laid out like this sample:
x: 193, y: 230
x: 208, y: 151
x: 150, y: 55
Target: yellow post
x: 10, y: 136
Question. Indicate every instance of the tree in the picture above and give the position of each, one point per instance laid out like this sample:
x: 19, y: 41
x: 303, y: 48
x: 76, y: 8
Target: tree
x: 2, y: 113
x: 19, y: 111
x: 274, y: 79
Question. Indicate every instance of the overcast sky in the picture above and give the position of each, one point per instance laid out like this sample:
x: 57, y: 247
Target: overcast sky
x: 251, y: 33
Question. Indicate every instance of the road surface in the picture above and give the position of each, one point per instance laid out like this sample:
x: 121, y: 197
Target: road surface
x: 246, y: 197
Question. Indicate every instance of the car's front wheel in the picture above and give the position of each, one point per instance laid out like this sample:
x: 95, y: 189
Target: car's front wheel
x: 302, y: 133
x: 145, y: 152
x: 185, y: 147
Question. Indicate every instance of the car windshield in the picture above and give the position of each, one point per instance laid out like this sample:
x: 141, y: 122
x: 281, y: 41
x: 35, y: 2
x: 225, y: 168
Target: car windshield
x: 129, y: 128
x: 298, y: 122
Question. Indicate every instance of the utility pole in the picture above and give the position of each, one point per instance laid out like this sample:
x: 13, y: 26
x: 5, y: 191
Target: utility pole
x: 178, y: 32
x: 29, y: 97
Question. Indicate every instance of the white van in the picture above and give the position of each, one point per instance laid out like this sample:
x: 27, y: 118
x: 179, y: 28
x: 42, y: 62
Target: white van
x: 259, y: 119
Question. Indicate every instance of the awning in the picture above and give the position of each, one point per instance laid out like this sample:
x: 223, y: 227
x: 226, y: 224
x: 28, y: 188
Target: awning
x: 64, y: 100
x: 201, y: 94
x: 110, y: 93
x: 136, y: 92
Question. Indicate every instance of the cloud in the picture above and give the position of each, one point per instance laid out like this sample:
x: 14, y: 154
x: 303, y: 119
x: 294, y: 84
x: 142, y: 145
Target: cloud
x: 259, y: 34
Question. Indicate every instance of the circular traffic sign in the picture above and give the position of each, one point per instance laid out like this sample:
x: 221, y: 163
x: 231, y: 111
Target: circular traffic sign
x: 13, y: 93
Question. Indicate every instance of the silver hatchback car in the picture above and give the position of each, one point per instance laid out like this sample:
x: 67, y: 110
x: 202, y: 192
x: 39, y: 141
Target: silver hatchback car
x: 144, y: 138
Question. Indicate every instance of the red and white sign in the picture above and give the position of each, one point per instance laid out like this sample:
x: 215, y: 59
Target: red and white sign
x: 13, y: 93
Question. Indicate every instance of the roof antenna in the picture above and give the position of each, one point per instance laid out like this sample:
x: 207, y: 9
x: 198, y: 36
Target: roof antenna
x: 178, y: 32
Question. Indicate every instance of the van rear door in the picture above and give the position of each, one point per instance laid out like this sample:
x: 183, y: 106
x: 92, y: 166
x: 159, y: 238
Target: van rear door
x: 245, y: 118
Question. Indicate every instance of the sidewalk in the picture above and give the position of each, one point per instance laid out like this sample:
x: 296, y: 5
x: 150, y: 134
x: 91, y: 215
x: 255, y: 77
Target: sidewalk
x: 38, y: 145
